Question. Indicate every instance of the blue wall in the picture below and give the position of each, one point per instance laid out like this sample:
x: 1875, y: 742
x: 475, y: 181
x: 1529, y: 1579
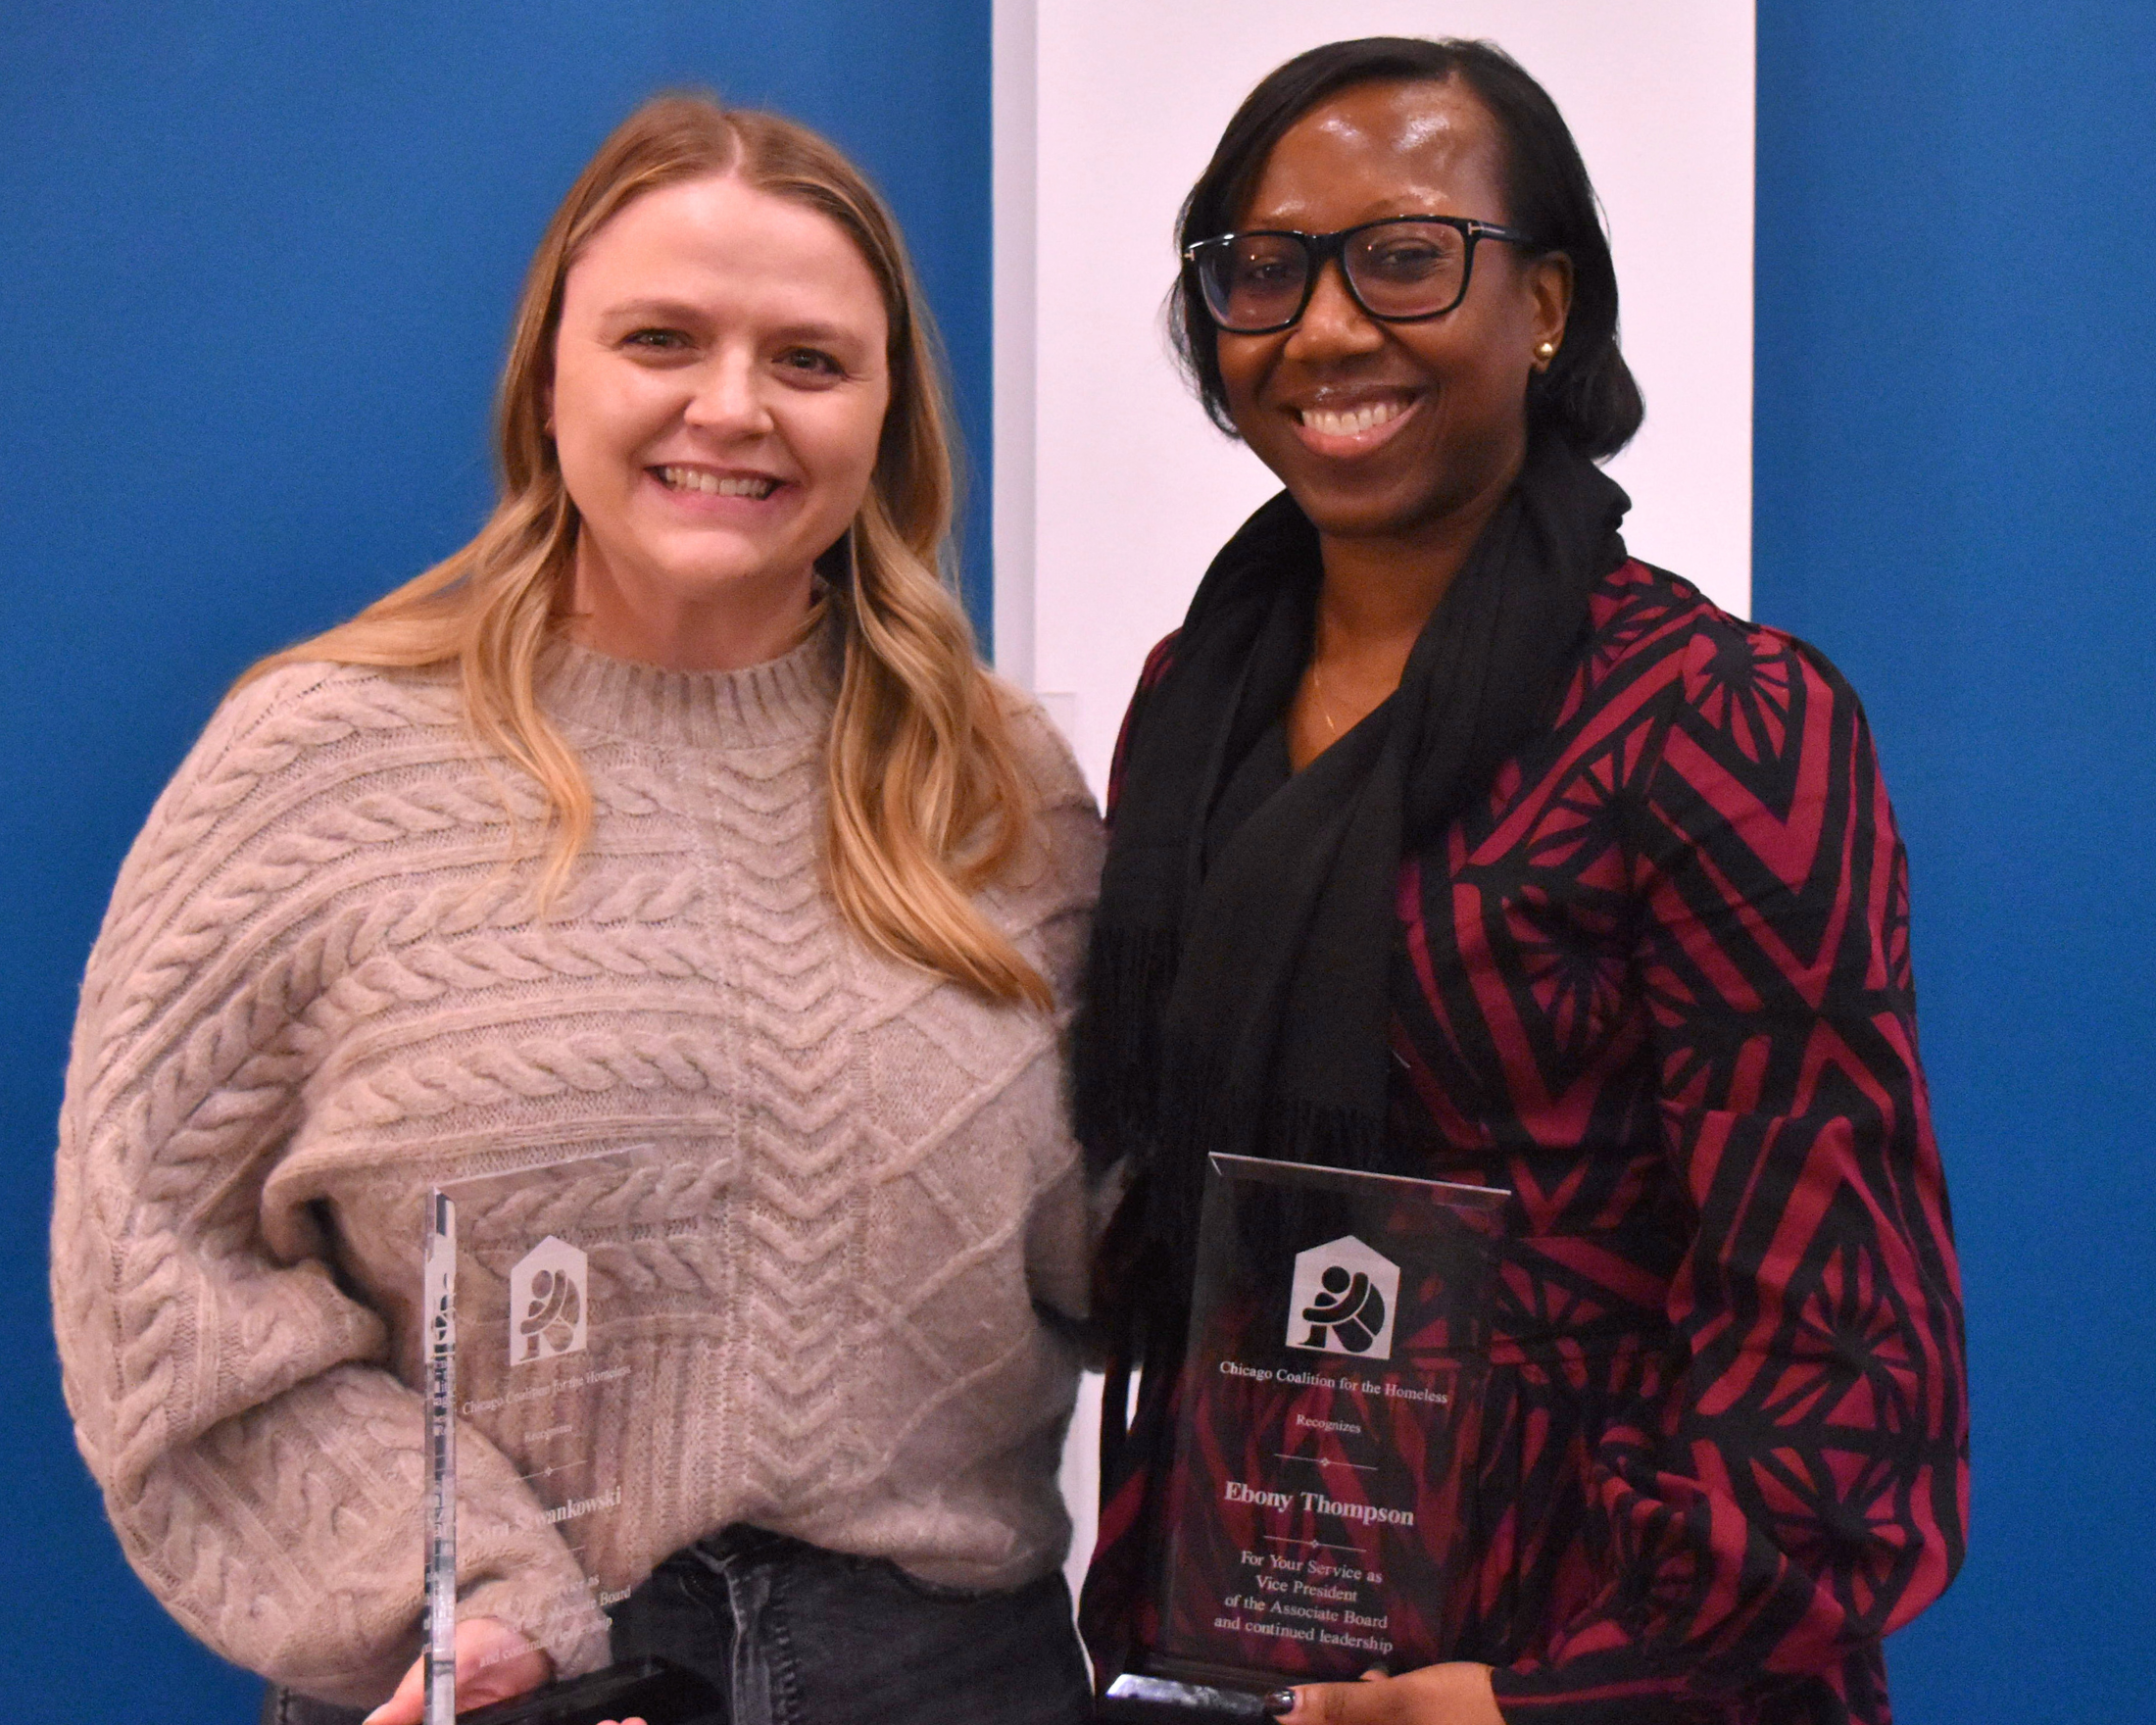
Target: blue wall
x: 253, y: 286
x: 255, y: 277
x: 1956, y: 398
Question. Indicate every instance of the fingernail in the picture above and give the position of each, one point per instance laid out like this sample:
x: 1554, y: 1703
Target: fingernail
x: 1281, y: 1701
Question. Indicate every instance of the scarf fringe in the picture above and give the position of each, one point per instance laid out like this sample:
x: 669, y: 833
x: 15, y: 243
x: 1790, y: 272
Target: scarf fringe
x: 1115, y: 1057
x: 1206, y: 1117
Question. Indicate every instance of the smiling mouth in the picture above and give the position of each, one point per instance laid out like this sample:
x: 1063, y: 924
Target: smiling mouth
x: 717, y: 484
x: 1347, y: 421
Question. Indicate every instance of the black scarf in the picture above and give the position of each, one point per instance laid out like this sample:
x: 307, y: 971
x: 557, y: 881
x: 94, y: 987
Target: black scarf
x: 1242, y: 1004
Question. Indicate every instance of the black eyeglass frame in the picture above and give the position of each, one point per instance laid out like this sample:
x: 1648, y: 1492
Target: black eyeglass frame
x: 1327, y: 248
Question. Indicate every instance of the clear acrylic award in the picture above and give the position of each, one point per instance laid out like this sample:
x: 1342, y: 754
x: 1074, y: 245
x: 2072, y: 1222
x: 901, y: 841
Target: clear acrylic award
x: 1328, y: 1403
x: 521, y: 1271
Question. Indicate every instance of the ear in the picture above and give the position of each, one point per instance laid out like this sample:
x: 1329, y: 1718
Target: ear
x: 1549, y: 292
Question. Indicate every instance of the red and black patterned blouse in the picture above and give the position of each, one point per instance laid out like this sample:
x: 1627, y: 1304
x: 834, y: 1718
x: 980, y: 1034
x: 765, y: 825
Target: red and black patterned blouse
x: 1656, y: 984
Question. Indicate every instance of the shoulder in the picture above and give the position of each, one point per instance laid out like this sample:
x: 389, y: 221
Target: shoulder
x: 305, y: 726
x: 1158, y: 663
x: 289, y: 719
x: 277, y: 746
x: 1066, y: 821
x: 1653, y: 632
x: 1044, y: 754
x: 1714, y: 718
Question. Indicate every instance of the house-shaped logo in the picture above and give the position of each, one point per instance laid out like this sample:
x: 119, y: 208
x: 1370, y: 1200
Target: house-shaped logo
x: 1343, y: 1300
x: 548, y: 1303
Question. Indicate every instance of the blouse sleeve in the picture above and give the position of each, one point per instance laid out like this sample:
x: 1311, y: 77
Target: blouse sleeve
x: 258, y: 1459
x: 1800, y: 1486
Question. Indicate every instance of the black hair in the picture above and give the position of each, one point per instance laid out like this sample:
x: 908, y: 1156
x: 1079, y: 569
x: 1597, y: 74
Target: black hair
x: 1587, y: 395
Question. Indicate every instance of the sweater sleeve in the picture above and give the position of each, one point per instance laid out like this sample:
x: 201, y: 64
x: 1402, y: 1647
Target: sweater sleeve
x: 1064, y: 881
x: 1798, y: 1488
x: 260, y: 1461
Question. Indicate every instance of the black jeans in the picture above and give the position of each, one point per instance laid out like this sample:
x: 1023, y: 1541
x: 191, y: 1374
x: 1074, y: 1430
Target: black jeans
x: 794, y: 1635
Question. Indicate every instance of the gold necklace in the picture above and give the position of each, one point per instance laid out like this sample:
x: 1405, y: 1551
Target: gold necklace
x: 1324, y: 707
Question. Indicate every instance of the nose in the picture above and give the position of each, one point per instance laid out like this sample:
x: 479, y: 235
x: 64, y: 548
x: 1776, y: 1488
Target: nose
x: 726, y: 398
x: 1332, y: 325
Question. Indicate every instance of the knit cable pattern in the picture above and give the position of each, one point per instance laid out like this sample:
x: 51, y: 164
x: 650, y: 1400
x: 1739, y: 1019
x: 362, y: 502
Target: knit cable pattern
x: 322, y: 987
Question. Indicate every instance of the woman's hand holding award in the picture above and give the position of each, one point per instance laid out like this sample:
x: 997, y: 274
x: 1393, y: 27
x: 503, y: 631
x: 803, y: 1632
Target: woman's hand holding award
x: 517, y: 1271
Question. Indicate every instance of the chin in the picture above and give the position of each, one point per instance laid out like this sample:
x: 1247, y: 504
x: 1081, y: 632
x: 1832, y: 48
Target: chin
x: 1360, y: 517
x: 707, y: 571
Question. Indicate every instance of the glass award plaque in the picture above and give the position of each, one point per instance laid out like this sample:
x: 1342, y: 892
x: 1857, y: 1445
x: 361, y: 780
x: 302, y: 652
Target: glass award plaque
x: 1328, y: 1404
x: 521, y: 1271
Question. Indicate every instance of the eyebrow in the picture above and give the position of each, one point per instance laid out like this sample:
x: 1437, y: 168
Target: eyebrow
x: 825, y: 332
x: 681, y: 311
x: 1390, y: 210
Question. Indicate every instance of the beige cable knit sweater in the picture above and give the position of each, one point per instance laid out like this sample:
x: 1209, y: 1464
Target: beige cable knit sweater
x: 321, y: 988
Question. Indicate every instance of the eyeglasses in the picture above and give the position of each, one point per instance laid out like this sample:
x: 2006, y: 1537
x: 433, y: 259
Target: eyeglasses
x: 1399, y: 271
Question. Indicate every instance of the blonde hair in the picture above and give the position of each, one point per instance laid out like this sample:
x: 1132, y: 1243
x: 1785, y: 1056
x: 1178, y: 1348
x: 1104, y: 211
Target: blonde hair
x: 927, y: 800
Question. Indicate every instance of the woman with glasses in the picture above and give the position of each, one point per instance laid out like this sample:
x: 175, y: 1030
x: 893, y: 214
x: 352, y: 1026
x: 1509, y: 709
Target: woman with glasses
x: 1449, y: 840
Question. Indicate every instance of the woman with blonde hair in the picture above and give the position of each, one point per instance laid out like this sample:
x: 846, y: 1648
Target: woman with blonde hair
x: 673, y: 810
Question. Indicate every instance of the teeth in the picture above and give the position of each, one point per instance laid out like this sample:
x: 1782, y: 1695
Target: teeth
x: 1335, y: 423
x: 718, y: 485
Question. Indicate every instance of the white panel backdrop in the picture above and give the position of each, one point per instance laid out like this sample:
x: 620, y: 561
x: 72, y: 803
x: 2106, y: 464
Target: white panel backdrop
x: 1113, y: 492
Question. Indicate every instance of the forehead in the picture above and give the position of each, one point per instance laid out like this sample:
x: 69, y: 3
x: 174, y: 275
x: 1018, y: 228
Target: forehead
x: 723, y: 243
x: 1395, y: 148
